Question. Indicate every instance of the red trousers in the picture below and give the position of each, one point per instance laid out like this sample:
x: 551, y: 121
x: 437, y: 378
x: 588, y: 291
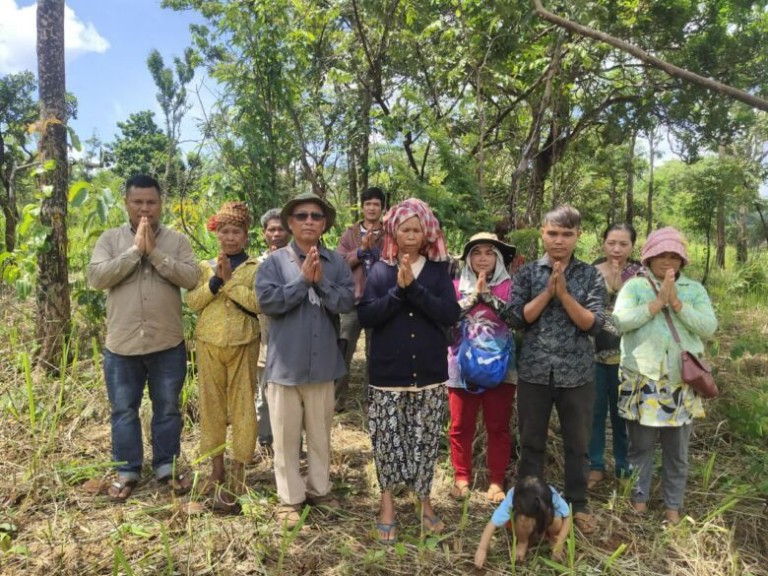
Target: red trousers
x: 497, y: 408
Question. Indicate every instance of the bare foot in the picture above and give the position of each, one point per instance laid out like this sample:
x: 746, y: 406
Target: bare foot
x: 495, y: 493
x: 460, y: 489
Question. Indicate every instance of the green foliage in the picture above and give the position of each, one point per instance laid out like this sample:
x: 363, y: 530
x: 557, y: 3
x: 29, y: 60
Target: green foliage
x: 527, y: 242
x: 141, y: 146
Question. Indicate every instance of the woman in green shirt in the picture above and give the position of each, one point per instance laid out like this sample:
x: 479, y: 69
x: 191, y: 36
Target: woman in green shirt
x: 652, y: 396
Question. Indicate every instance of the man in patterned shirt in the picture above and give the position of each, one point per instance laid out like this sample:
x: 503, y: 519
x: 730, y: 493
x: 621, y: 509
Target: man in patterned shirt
x: 558, y: 302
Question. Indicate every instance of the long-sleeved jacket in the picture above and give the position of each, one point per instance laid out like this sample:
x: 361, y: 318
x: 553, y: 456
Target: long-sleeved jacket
x: 303, y: 342
x: 222, y: 321
x: 143, y: 296
x: 647, y: 345
x: 409, y: 343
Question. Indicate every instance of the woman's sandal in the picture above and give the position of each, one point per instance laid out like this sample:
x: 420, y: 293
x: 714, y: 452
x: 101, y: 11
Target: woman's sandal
x: 495, y: 494
x: 459, y: 490
x: 594, y: 477
x: 387, y: 533
x: 121, y: 489
x: 178, y: 485
x: 432, y: 524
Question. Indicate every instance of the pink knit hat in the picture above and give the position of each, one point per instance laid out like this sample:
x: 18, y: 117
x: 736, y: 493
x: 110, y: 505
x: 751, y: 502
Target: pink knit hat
x: 664, y: 240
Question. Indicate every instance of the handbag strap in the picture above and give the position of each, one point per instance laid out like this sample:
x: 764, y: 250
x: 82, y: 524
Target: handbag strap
x: 667, y: 316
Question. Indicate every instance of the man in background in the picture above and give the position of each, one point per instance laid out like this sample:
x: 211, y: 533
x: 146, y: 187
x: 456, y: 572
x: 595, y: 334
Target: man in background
x: 276, y: 236
x: 360, y: 245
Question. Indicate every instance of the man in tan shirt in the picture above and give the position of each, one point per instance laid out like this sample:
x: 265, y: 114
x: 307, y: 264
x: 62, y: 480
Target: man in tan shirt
x: 142, y: 265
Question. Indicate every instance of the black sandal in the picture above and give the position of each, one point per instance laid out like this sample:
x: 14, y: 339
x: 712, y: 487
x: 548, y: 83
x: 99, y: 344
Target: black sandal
x: 178, y: 485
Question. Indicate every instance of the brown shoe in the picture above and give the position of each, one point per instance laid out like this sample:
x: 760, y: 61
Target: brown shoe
x: 585, y: 522
x: 289, y: 515
x: 327, y: 501
x: 595, y: 477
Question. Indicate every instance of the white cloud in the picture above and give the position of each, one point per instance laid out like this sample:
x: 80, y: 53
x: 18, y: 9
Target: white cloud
x: 18, y: 32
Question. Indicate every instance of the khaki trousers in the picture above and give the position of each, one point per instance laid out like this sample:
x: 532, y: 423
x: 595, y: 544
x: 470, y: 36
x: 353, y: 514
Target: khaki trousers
x: 292, y: 407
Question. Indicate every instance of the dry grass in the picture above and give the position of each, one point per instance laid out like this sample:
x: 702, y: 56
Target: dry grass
x: 50, y: 524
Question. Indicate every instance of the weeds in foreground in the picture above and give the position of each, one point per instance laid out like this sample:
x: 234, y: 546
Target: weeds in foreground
x: 54, y: 435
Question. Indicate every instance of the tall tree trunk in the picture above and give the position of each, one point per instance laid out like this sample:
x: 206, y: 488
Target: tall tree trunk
x: 352, y: 173
x: 631, y: 179
x: 652, y: 158
x: 741, y: 242
x: 364, y: 167
x: 53, y: 307
x: 720, y: 219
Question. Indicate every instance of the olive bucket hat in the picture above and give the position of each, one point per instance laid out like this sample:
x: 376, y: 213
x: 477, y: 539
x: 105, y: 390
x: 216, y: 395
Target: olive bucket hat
x: 328, y: 210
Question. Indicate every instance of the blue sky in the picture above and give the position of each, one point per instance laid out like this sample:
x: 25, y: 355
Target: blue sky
x: 107, y: 44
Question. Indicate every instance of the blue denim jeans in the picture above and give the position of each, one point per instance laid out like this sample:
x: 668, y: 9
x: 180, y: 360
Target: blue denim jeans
x: 164, y: 373
x: 606, y: 400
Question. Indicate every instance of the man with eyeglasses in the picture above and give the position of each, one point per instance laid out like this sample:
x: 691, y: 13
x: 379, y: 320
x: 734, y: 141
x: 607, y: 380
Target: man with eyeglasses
x: 303, y: 287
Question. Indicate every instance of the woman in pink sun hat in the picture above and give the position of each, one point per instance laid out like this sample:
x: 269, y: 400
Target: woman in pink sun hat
x: 653, y: 399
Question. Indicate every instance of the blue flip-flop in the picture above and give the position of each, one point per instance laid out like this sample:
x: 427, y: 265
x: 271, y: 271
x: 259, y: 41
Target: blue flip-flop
x: 386, y: 535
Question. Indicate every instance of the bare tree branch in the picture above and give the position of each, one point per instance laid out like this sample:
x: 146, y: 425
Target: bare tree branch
x: 671, y: 69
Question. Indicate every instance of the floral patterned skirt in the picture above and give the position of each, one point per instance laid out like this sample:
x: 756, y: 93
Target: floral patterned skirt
x: 657, y: 402
x: 406, y: 428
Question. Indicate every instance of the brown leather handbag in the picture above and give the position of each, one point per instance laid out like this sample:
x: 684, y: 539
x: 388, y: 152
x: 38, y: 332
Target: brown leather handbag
x: 694, y: 371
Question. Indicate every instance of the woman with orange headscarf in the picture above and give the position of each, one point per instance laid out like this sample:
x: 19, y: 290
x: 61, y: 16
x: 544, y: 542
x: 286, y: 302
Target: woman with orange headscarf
x: 409, y: 302
x: 227, y: 346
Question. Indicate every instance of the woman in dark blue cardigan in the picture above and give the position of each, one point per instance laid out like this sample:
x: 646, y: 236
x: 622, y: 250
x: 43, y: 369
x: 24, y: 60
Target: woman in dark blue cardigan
x: 409, y: 302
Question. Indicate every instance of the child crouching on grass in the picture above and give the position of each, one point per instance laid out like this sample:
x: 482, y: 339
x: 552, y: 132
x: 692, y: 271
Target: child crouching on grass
x: 539, y: 511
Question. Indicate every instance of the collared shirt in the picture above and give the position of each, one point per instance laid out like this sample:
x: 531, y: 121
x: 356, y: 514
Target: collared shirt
x: 263, y: 323
x: 143, y: 296
x: 553, y: 345
x: 303, y: 339
x: 348, y: 247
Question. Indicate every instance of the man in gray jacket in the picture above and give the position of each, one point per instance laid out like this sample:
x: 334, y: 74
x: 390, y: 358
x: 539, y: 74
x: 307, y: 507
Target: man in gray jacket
x: 303, y: 287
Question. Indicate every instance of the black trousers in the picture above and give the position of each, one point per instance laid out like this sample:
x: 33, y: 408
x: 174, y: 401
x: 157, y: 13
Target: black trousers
x: 574, y: 409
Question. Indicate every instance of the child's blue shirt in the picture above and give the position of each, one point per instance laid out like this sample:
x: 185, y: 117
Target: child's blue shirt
x: 503, y: 513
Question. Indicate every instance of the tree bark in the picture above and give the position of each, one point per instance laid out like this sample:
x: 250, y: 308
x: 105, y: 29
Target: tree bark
x: 642, y: 55
x: 742, y: 252
x: 720, y: 221
x: 652, y: 158
x: 52, y: 294
x: 630, y: 215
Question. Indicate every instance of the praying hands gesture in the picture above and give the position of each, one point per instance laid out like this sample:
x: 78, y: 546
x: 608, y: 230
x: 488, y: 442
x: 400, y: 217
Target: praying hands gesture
x: 223, y: 267
x: 667, y: 295
x: 404, y: 272
x: 482, y: 285
x: 311, y: 269
x: 369, y: 240
x: 145, y: 237
x: 557, y: 285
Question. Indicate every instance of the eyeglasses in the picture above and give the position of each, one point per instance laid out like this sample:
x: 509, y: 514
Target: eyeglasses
x: 302, y: 216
